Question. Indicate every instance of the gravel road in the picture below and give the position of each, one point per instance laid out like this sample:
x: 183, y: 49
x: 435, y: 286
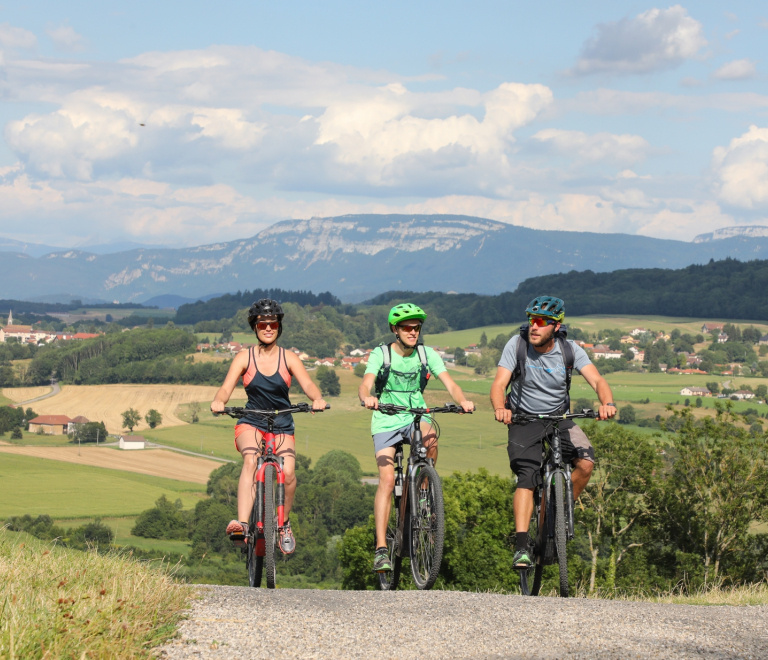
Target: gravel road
x: 244, y: 623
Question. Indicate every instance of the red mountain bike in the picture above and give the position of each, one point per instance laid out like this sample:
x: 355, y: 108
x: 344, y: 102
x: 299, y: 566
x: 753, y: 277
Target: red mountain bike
x: 267, y: 516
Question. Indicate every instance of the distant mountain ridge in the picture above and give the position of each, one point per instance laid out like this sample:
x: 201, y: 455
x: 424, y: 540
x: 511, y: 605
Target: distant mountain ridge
x: 356, y: 257
x: 746, y: 231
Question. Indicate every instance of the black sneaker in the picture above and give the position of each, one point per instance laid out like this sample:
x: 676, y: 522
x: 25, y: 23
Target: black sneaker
x: 381, y: 563
x: 522, y: 559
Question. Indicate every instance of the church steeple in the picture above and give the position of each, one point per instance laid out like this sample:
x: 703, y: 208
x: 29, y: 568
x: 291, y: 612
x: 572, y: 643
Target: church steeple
x: 10, y: 317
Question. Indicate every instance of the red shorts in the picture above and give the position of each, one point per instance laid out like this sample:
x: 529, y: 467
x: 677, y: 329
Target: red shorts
x: 241, y: 428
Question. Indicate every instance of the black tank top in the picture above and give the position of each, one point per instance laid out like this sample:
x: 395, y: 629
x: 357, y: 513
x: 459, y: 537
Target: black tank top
x: 268, y: 393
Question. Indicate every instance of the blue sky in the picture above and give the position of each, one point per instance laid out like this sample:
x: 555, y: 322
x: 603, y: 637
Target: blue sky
x: 592, y: 116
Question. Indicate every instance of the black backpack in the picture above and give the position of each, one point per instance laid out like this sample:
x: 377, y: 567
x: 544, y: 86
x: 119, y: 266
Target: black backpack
x: 383, y: 376
x: 566, y: 350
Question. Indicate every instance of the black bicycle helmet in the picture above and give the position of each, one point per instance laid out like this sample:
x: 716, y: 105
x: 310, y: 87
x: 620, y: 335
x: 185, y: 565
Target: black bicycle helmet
x: 266, y: 307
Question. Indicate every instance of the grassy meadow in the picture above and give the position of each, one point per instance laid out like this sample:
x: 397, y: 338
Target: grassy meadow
x: 65, y: 490
x: 122, y: 529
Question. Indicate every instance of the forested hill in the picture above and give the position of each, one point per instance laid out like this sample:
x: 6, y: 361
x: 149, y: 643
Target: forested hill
x: 229, y: 304
x: 727, y: 289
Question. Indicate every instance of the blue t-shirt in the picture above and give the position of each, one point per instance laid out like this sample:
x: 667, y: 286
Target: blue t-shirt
x: 544, y: 389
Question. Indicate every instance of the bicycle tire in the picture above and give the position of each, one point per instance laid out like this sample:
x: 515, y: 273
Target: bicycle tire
x: 427, y: 529
x: 391, y: 579
x: 254, y: 563
x: 530, y: 578
x: 562, y: 558
x: 270, y: 526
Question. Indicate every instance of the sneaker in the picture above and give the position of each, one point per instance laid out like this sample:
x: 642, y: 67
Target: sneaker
x: 287, y: 540
x: 522, y: 559
x: 381, y: 563
x: 237, y: 532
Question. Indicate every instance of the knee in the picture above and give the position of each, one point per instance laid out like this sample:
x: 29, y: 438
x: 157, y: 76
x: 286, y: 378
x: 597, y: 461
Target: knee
x: 585, y: 466
x: 290, y: 475
x: 387, y: 482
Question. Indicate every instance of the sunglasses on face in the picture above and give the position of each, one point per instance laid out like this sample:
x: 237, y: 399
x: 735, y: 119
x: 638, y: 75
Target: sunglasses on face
x: 265, y: 325
x: 540, y: 321
x: 410, y: 328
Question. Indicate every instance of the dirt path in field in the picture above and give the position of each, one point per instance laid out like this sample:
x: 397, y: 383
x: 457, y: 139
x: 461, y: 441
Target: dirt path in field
x: 228, y: 622
x: 24, y: 395
x: 155, y: 462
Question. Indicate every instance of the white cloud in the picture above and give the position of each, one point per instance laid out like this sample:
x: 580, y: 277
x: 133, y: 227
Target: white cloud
x: 600, y: 147
x: 655, y: 40
x: 16, y: 37
x: 730, y: 35
x: 65, y: 38
x: 735, y: 70
x: 741, y: 170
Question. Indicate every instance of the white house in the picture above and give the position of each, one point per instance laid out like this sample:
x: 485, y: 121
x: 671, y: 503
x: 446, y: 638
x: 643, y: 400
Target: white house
x: 695, y: 391
x: 744, y: 394
x: 357, y: 352
x: 132, y: 442
x: 764, y: 339
x: 638, y: 331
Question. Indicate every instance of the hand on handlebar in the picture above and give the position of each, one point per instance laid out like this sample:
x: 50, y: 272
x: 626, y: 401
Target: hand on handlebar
x: 503, y: 415
x: 318, y: 405
x: 468, y: 406
x: 606, y: 412
x: 370, y: 402
x: 217, y: 407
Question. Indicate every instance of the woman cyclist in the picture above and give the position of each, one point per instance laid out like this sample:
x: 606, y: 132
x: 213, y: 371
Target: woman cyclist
x: 266, y: 371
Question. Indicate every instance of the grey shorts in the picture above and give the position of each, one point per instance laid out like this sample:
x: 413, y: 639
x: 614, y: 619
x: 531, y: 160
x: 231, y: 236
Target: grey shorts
x: 391, y: 438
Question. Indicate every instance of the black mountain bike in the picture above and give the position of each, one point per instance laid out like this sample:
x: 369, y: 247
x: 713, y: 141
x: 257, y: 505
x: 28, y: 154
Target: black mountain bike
x: 267, y: 516
x: 416, y: 526
x: 552, y: 519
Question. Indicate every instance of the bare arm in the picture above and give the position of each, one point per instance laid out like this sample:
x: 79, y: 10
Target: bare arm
x: 299, y: 372
x: 498, y: 395
x: 236, y: 370
x: 364, y: 392
x: 455, y: 391
x: 602, y: 389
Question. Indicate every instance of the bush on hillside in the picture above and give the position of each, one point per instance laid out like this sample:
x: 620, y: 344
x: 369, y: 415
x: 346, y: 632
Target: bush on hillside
x: 328, y: 381
x: 164, y: 521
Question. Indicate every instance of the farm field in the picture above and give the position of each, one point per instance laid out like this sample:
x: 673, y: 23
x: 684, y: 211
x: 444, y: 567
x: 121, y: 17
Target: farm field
x: 123, y: 537
x: 105, y: 403
x: 588, y: 323
x: 64, y: 490
x: 17, y: 394
x: 155, y: 462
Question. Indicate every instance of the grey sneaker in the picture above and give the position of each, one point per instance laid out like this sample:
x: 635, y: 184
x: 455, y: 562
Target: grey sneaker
x: 287, y: 540
x: 522, y: 559
x: 381, y: 563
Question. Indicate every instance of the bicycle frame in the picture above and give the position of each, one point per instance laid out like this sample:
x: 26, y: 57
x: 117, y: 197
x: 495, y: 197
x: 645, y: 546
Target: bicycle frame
x: 268, y: 457
x: 554, y: 464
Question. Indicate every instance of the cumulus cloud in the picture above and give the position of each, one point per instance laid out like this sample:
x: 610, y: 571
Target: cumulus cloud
x: 735, y: 70
x: 741, y: 170
x: 655, y: 40
x: 65, y: 38
x: 600, y: 147
x: 16, y: 37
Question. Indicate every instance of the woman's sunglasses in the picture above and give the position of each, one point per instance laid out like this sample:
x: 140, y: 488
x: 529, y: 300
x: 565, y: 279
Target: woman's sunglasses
x: 416, y: 327
x: 265, y: 325
x: 540, y: 321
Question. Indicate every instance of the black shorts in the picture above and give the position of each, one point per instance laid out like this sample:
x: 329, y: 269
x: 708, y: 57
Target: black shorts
x: 525, y: 449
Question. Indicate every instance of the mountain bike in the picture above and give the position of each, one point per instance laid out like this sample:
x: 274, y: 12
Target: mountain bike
x: 416, y: 526
x: 552, y: 522
x: 267, y: 516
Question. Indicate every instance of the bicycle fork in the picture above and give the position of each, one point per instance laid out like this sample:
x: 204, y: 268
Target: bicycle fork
x: 279, y: 494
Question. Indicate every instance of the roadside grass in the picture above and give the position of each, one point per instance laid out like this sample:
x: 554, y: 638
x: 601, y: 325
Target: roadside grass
x: 4, y: 400
x: 121, y: 527
x: 34, y: 440
x: 62, y: 603
x: 66, y: 490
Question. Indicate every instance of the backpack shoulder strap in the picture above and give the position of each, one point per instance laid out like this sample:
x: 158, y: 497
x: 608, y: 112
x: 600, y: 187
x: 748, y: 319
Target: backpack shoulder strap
x: 521, y: 355
x: 383, y: 376
x: 425, y: 374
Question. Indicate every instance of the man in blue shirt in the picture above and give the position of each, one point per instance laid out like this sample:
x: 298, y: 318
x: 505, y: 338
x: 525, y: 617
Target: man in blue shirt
x: 543, y: 391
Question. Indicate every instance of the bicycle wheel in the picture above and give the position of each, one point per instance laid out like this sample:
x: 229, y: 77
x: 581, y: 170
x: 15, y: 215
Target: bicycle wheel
x: 530, y: 578
x: 427, y: 528
x: 270, y: 525
x: 388, y: 581
x: 558, y: 483
x: 255, y: 563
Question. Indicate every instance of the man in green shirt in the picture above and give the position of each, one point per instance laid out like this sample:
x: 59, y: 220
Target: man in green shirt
x: 403, y: 387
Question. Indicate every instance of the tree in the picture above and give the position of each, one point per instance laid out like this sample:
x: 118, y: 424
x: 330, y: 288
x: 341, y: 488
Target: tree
x: 751, y: 335
x: 16, y: 434
x: 153, y: 418
x: 360, y: 369
x: 761, y: 391
x: 687, y: 403
x: 618, y: 497
x: 627, y: 415
x: 131, y: 418
x: 150, y: 322
x: 460, y: 356
x: 108, y: 318
x: 194, y: 409
x: 328, y: 381
x: 714, y: 387
x: 716, y: 490
x: 483, y: 340
x: 164, y: 521
x: 90, y: 432
x: 699, y: 402
x: 581, y: 404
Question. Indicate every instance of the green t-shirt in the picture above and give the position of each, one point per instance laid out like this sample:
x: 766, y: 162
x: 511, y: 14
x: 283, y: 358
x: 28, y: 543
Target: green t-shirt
x: 402, y: 388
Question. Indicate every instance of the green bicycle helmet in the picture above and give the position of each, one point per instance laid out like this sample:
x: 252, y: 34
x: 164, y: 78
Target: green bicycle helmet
x: 548, y: 306
x: 405, y: 312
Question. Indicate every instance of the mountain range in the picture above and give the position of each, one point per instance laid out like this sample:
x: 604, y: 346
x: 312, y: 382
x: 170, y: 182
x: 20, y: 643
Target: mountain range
x: 356, y: 257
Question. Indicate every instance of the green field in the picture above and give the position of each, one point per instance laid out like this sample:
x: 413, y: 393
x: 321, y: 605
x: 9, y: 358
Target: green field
x: 122, y: 529
x: 65, y: 490
x: 33, y: 439
x: 464, y: 338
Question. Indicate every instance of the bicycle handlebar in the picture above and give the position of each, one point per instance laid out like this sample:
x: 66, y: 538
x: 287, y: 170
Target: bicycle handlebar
x: 392, y: 409
x: 524, y: 417
x: 239, y: 412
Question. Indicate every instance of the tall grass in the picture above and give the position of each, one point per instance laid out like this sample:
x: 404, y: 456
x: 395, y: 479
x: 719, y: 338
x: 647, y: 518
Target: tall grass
x: 62, y: 603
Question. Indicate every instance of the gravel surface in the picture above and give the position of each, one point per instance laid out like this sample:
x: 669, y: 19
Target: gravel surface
x: 243, y: 623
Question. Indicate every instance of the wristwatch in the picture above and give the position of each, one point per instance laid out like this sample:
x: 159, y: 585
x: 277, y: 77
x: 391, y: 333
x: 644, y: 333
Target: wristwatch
x: 613, y: 405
